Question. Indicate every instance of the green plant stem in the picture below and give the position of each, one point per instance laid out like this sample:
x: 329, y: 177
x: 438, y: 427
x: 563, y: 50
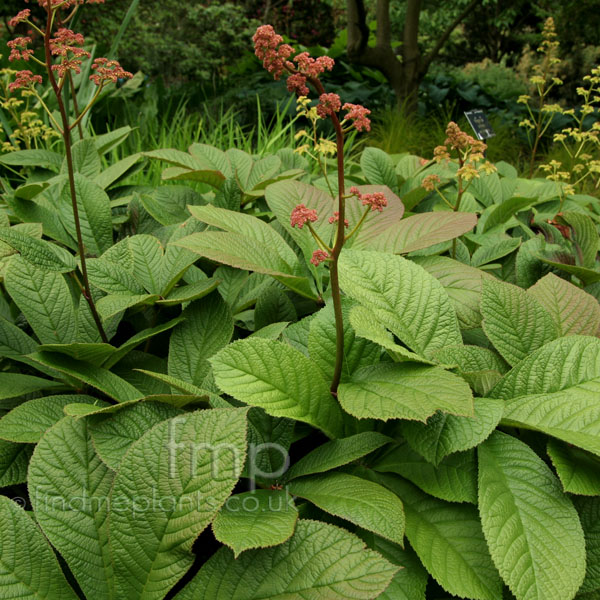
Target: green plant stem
x: 66, y: 133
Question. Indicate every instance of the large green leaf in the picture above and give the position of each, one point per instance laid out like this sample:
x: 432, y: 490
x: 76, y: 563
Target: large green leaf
x: 113, y: 304
x: 14, y: 341
x: 113, y: 435
x: 147, y: 256
x: 322, y: 341
x: 171, y: 483
x: 27, y: 422
x: 336, y: 453
x: 556, y: 390
x: 444, y: 434
x: 404, y: 297
x: 319, y: 561
x: 208, y: 327
x: 589, y: 515
x: 14, y: 460
x: 273, y: 306
x: 585, y: 236
x: 45, y: 300
x: 257, y: 519
x: 578, y: 471
x: 13, y: 385
x: 449, y: 541
x: 29, y: 570
x: 364, y: 503
x: 420, y: 231
x: 112, y: 277
x: 574, y: 311
x: 378, y: 168
x: 71, y: 503
x: 280, y: 379
x: 94, y: 214
x: 531, y: 527
x: 404, y: 391
x: 32, y: 158
x: 514, y: 321
x: 463, y: 284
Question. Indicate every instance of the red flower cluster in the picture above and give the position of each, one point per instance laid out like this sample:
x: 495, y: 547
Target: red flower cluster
x: 318, y: 257
x: 313, y: 67
x: 24, y: 79
x: 268, y: 49
x: 52, y: 4
x: 376, y: 201
x: 18, y: 49
x: 297, y: 83
x: 65, y: 44
x: 328, y: 104
x: 21, y: 16
x: 301, y: 214
x: 358, y: 114
x: 108, y: 70
x: 336, y: 218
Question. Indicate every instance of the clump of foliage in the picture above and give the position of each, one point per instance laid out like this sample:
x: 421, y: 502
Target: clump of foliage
x: 247, y: 382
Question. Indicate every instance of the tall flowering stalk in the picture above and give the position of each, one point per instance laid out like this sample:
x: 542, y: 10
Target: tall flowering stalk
x: 63, y: 55
x: 301, y: 69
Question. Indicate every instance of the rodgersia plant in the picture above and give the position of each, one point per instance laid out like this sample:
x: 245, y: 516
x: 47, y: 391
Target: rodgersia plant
x: 301, y: 69
x: 63, y: 56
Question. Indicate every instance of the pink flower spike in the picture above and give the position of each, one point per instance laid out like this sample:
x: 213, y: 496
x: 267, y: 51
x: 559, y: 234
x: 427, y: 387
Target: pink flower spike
x: 301, y: 215
x: 328, y: 104
x: 336, y: 218
x: 18, y: 49
x: 108, y: 70
x: 297, y: 83
x: 318, y: 257
x: 358, y: 114
x: 21, y: 16
x: 354, y: 191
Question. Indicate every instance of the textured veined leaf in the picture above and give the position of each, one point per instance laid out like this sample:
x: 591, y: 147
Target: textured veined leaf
x: 86, y: 159
x: 589, y: 516
x: 207, y: 327
x: 112, y: 277
x: 461, y: 282
x: 168, y: 203
x: 113, y: 435
x: 13, y: 385
x: 322, y: 343
x: 421, y: 231
x: 404, y: 297
x: 514, y: 321
x: 574, y: 311
x: 42, y: 254
x: 45, y: 300
x: 95, y: 216
x: 113, y: 304
x: 493, y: 251
x: 177, y: 158
x: 147, y: 253
x: 93, y: 352
x: 364, y: 503
x: 556, y: 390
x: 319, y: 561
x: 117, y: 171
x: 212, y: 157
x: 404, y: 391
x: 14, y: 341
x: 585, y: 236
x: 27, y: 422
x: 454, y: 479
x: 444, y: 434
x: 336, y: 453
x: 257, y: 519
x: 272, y: 306
x: 32, y: 158
x: 14, y: 460
x: 279, y: 379
x: 410, y: 581
x: 378, y: 168
x: 448, y: 539
x: 531, y: 527
x: 71, y: 504
x: 193, y: 291
x: 107, y: 141
x: 578, y: 471
x: 102, y: 379
x: 171, y: 498
x: 29, y: 567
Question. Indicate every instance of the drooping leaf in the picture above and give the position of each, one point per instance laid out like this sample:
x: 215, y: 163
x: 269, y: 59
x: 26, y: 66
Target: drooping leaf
x: 258, y: 519
x: 278, y: 378
x: 14, y: 341
x: 514, y: 321
x: 404, y: 391
x: 448, y: 539
x: 112, y: 277
x: 578, y: 471
x: 404, y: 297
x: 29, y: 567
x: 378, y: 167
x: 45, y: 300
x: 71, y: 504
x: 196, y: 460
x: 589, y: 515
x: 27, y: 422
x: 32, y: 158
x: 574, y: 311
x: 531, y: 527
x: 491, y: 252
x: 14, y: 460
x: 336, y: 453
x: 585, y: 236
x: 273, y: 305
x: 113, y: 304
x: 444, y: 434
x: 318, y: 561
x: 13, y: 385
